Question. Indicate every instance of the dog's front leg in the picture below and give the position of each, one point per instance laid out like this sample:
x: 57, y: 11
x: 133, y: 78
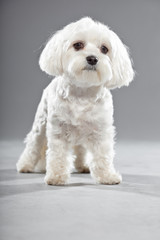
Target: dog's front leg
x: 58, y: 165
x: 57, y: 161
x: 101, y: 166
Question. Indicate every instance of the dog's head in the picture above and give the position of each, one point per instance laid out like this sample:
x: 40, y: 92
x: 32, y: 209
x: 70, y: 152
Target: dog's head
x: 89, y: 54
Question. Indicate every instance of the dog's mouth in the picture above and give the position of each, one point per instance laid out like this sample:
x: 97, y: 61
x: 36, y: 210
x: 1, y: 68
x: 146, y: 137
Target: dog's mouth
x: 89, y: 68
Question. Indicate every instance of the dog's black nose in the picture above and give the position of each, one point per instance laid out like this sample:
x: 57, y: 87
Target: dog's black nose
x: 92, y: 60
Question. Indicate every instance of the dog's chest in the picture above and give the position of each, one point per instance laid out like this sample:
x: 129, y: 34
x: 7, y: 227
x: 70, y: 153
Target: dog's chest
x: 80, y: 113
x: 81, y: 120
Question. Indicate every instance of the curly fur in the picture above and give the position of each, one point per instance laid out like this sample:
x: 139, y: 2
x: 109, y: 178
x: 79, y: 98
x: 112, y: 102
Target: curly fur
x: 75, y: 114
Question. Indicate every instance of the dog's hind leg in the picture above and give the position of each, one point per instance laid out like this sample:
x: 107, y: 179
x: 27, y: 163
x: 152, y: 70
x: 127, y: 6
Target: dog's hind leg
x: 35, y: 140
x: 41, y: 164
x: 80, y: 161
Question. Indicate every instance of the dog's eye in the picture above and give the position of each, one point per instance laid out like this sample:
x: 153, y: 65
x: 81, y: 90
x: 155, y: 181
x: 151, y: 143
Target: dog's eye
x: 79, y: 45
x: 104, y: 49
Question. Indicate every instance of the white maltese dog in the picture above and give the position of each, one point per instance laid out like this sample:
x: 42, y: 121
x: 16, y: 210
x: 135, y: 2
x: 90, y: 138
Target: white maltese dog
x: 75, y: 114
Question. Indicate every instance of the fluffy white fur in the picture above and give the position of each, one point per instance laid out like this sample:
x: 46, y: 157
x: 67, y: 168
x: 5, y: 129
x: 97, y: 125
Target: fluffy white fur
x: 75, y: 114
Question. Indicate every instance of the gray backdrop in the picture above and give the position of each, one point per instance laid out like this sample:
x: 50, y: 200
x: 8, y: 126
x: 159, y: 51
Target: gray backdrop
x: 26, y: 25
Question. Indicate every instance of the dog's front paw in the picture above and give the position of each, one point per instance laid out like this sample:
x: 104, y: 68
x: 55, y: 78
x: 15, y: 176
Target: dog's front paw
x: 56, y: 179
x: 109, y: 178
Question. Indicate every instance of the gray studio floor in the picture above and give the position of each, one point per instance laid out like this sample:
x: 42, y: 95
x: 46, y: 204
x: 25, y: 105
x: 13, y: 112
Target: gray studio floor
x: 83, y: 210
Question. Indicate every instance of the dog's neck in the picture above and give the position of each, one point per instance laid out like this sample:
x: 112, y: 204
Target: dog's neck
x: 93, y: 93
x: 81, y: 92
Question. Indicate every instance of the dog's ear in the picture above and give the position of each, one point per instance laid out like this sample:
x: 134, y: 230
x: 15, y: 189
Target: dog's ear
x: 122, y: 70
x: 50, y: 59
